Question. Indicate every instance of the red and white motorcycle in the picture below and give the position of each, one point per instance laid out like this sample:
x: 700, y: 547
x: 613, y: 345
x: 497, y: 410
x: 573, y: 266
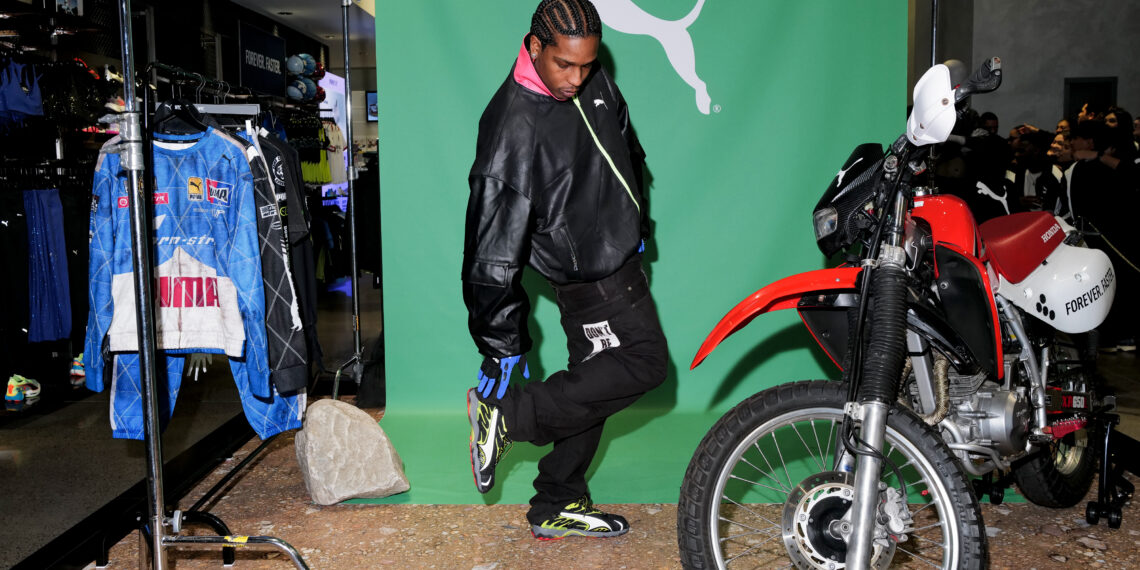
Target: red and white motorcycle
x: 960, y: 351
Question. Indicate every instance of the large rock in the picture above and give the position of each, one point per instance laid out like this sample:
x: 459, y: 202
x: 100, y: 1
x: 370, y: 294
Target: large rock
x: 345, y: 455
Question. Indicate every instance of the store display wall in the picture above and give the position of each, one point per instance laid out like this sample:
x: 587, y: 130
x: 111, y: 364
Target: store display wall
x: 792, y: 88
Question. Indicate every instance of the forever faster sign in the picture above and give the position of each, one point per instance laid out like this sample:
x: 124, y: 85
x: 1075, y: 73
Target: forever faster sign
x: 262, y: 60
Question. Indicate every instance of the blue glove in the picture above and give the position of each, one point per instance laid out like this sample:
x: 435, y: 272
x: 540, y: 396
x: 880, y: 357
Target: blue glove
x: 499, y: 369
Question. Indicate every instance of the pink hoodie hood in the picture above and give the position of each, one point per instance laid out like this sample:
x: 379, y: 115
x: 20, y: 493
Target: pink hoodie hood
x: 526, y: 75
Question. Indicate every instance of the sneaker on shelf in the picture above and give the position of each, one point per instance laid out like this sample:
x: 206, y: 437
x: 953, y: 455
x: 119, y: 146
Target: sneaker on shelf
x: 1126, y: 345
x: 78, y: 374
x: 20, y: 388
x: 580, y: 518
x: 488, y: 440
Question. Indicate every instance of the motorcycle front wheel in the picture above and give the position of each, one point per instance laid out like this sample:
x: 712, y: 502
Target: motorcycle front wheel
x: 760, y: 491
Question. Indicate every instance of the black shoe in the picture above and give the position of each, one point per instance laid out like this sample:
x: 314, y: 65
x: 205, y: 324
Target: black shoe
x: 580, y: 518
x: 488, y: 440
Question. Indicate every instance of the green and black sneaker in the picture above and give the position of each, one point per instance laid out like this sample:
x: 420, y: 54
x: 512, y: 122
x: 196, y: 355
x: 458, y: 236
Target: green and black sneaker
x: 580, y: 518
x: 488, y: 440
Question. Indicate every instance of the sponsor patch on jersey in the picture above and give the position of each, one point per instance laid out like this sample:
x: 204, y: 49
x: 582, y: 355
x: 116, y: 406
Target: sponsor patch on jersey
x: 267, y: 210
x: 159, y: 198
x: 194, y: 189
x: 218, y: 192
x: 278, y: 171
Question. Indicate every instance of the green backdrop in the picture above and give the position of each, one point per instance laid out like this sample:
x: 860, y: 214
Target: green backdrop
x: 794, y: 86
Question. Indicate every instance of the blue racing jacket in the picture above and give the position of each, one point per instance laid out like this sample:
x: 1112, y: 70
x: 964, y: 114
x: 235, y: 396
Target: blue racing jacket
x: 209, y: 296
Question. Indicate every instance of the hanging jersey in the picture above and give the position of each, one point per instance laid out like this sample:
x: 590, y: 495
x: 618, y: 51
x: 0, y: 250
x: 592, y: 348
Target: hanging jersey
x: 286, y: 342
x: 208, y: 291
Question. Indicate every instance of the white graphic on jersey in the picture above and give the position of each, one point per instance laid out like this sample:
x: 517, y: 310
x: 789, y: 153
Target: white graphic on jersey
x: 599, y: 103
x: 628, y: 18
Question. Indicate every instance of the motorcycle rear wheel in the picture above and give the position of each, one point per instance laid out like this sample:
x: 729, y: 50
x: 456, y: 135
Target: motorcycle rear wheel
x: 771, y: 456
x: 1060, y: 476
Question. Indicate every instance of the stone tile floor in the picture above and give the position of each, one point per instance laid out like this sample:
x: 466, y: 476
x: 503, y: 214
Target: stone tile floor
x: 270, y: 499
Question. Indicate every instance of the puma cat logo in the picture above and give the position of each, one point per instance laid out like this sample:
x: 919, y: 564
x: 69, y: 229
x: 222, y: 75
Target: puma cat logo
x: 628, y: 18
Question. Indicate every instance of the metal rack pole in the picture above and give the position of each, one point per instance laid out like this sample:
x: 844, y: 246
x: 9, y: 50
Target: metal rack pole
x: 358, y: 368
x: 133, y: 161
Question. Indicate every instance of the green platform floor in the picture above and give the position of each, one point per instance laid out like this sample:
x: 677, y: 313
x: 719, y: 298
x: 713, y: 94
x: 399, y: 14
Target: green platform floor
x: 642, y: 459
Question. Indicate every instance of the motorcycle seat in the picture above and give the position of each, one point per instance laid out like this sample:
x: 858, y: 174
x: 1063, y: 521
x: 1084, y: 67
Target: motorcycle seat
x: 1017, y: 244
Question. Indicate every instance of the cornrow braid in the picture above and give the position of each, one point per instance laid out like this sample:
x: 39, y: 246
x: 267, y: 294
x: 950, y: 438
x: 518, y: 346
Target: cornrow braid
x: 571, y: 18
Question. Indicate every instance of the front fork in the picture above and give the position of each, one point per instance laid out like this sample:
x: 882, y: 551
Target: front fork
x: 880, y: 367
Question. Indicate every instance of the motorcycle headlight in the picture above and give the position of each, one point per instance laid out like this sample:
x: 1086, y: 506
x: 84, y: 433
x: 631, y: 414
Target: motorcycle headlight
x: 826, y: 221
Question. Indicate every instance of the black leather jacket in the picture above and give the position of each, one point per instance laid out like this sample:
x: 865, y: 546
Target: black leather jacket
x: 543, y: 194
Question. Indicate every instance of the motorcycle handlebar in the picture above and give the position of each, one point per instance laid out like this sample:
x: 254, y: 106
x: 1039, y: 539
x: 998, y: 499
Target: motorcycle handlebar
x: 985, y: 79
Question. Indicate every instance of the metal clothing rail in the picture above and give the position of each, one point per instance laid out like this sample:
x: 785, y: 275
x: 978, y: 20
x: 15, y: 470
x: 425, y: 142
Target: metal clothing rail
x: 355, y: 360
x: 136, y: 152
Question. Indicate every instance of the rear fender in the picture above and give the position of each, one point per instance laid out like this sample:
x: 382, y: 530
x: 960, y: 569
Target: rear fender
x: 783, y: 294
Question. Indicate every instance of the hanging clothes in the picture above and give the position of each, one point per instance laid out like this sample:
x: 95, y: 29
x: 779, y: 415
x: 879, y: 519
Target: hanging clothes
x: 20, y: 94
x: 49, y: 299
x: 209, y: 296
x: 286, y: 343
x: 285, y: 173
x: 336, y: 153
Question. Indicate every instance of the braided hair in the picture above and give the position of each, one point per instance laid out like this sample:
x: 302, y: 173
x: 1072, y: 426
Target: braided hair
x: 572, y: 18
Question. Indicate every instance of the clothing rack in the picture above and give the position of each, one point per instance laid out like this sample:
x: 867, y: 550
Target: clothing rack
x: 356, y: 361
x: 137, y: 155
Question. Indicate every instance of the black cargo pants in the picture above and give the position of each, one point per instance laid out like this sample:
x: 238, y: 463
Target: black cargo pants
x: 617, y: 354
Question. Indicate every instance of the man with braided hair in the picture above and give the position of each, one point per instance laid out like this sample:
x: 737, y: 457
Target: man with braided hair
x: 557, y: 185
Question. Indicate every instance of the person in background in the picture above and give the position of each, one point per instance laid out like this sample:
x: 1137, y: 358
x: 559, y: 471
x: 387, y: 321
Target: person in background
x: 1104, y: 202
x: 989, y: 122
x: 557, y: 185
x: 1063, y: 128
x: 1031, y: 166
x: 1091, y: 111
x: 1055, y: 186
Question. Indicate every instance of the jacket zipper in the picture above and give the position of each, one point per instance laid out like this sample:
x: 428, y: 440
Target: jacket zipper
x: 605, y: 154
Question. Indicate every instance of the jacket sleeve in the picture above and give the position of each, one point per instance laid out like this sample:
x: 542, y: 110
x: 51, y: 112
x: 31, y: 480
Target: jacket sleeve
x: 101, y: 251
x: 496, y: 247
x: 245, y: 270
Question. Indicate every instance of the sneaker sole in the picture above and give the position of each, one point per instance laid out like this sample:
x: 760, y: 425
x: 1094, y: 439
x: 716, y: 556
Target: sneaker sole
x: 553, y: 534
x: 473, y: 417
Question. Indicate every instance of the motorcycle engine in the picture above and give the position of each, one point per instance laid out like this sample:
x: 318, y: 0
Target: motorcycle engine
x: 990, y: 416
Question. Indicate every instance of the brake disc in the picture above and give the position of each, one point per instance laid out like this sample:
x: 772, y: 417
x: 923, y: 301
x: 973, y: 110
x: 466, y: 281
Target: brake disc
x: 816, y: 524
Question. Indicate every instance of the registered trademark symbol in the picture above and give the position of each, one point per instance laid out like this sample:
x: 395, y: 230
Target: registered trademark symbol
x: 716, y: 108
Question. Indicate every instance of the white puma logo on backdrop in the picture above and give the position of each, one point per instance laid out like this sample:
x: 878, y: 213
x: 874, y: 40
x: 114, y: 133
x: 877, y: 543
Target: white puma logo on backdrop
x: 628, y: 18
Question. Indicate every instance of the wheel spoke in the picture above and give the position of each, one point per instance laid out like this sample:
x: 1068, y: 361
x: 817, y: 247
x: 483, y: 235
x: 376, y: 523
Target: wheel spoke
x: 748, y: 550
x: 764, y: 456
x: 754, y: 513
x: 782, y: 462
x: 919, y: 557
x: 769, y: 534
x: 938, y: 524
x: 783, y: 488
x: 756, y: 483
x: 810, y: 451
